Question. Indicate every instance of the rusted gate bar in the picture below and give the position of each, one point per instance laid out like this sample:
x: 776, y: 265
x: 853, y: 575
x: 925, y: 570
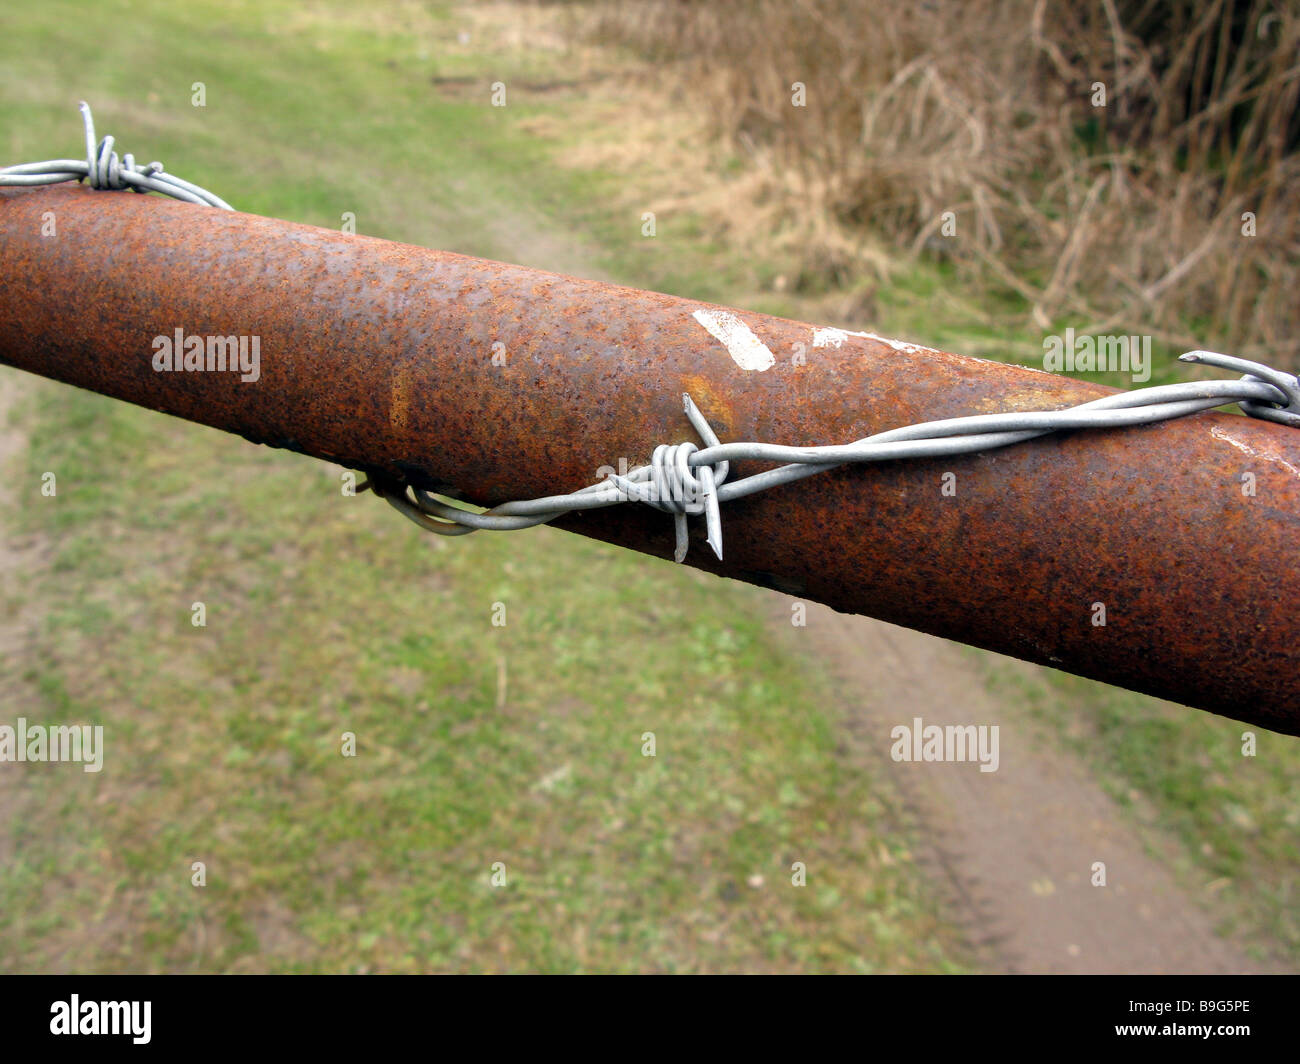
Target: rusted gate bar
x: 380, y: 356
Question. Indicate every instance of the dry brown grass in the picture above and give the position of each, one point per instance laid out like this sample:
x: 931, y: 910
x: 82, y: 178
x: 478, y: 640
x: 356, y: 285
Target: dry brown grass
x: 1126, y: 217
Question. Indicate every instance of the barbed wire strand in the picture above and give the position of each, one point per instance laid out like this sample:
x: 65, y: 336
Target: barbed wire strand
x: 103, y: 169
x: 684, y: 479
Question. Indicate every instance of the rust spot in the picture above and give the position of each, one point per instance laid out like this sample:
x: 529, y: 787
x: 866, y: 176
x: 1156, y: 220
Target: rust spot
x: 399, y: 402
x: 712, y: 401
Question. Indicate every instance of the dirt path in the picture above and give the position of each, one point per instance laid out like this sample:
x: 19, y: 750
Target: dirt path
x: 19, y: 610
x: 17, y: 555
x: 1014, y: 849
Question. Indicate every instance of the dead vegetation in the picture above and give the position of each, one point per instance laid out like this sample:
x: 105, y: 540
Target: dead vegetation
x: 1126, y: 165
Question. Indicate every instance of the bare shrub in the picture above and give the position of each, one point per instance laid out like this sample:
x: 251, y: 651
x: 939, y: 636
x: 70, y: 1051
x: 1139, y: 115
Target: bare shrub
x: 1128, y: 213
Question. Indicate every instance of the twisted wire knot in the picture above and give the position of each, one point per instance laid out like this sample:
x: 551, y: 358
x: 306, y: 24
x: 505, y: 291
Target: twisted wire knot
x: 103, y: 169
x: 1285, y: 412
x: 679, y: 488
x: 675, y: 485
x: 671, y: 485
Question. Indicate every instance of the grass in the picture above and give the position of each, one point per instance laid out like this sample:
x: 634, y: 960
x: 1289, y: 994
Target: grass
x: 328, y: 615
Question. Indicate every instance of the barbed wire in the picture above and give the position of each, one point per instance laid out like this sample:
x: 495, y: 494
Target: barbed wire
x: 102, y: 169
x: 684, y: 479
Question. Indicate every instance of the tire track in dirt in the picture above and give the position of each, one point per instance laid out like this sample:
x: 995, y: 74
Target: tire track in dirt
x: 1013, y: 849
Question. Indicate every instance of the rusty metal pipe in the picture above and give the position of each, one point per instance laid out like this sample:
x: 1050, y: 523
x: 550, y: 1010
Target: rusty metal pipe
x: 379, y: 356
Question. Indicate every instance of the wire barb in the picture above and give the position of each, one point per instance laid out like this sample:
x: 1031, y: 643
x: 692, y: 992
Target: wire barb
x: 1285, y: 413
x: 103, y: 169
x: 684, y: 479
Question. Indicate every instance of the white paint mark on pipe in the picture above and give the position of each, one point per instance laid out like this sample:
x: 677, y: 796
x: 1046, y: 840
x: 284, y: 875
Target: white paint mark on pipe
x: 836, y: 338
x: 1247, y: 449
x: 746, y: 349
x: 899, y: 345
x: 829, y: 337
x: 832, y: 337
